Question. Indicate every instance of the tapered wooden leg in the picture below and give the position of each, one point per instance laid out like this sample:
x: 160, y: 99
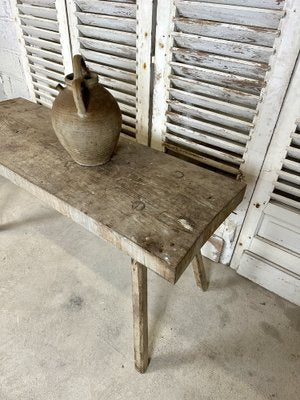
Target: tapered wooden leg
x: 199, y: 272
x: 140, y: 315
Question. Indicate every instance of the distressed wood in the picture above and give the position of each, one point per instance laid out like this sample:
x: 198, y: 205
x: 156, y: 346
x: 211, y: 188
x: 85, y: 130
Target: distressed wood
x: 107, y: 21
x: 283, y: 64
x: 199, y: 272
x: 231, y: 96
x: 140, y: 315
x: 144, y: 69
x: 36, y: 11
x: 108, y: 7
x: 158, y: 209
x: 166, y: 12
x: 258, y: 17
x: 228, y: 48
x: 238, y: 33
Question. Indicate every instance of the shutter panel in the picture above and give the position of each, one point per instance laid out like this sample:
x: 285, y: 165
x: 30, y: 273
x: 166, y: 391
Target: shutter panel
x: 212, y: 79
x: 44, y: 32
x: 287, y: 187
x: 105, y: 33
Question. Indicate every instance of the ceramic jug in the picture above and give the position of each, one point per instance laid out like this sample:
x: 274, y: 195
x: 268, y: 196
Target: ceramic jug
x: 85, y: 116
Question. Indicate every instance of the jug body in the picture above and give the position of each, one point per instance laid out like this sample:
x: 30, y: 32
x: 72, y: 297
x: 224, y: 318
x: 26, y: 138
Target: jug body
x: 86, y: 118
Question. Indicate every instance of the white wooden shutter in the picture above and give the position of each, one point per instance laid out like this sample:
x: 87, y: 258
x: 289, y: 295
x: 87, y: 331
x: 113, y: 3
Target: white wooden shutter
x: 287, y: 187
x: 211, y: 60
x: 221, y: 72
x: 106, y: 33
x: 44, y: 34
x: 268, y: 250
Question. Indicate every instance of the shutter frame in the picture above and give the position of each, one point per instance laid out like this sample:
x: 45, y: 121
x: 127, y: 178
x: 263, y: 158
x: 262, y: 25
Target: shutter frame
x: 272, y: 166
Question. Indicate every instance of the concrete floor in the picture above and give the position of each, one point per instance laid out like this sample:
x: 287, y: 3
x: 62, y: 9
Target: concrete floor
x: 66, y: 326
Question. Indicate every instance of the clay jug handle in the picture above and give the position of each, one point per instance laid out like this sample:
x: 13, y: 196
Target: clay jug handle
x: 80, y: 71
x: 77, y: 95
x: 79, y: 67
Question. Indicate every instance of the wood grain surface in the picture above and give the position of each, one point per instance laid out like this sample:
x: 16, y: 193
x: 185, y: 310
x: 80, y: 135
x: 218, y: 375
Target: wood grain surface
x: 158, y: 209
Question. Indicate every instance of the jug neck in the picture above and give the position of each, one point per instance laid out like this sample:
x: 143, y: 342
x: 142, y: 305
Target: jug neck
x: 89, y: 81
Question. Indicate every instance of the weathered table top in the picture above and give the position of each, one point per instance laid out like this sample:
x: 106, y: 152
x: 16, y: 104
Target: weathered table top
x: 158, y: 209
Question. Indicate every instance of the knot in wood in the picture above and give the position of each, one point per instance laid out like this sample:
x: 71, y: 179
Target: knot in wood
x: 138, y: 205
x: 178, y: 174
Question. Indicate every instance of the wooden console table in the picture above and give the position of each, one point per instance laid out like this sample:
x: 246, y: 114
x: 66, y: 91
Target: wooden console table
x: 156, y: 208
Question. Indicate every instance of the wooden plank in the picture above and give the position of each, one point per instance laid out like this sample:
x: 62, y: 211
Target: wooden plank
x: 105, y: 70
x: 213, y: 104
x: 126, y: 10
x: 198, y: 147
x: 40, y: 12
x: 48, y: 55
x: 233, y: 14
x: 259, y: 270
x: 41, y: 33
x: 288, y: 188
x: 243, y: 51
x: 44, y: 95
x: 232, y: 81
x: 210, y: 116
x: 44, y: 3
x: 44, y: 79
x: 233, y: 32
x: 229, y: 95
x: 108, y: 47
x: 107, y: 21
x: 144, y: 69
x: 47, y: 73
x: 236, y: 66
x: 165, y: 12
x: 268, y: 250
x: 140, y: 316
x: 124, y: 98
x: 124, y: 87
x: 45, y: 88
x: 109, y: 35
x: 200, y: 158
x: 292, y: 177
x: 285, y: 200
x: 43, y: 44
x: 205, y: 137
x: 161, y: 216
x: 199, y: 272
x: 109, y: 59
x: 270, y: 4
x: 42, y: 23
x: 208, y: 127
x: 47, y: 64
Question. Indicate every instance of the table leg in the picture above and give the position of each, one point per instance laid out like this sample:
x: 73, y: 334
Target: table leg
x: 199, y: 272
x: 140, y: 315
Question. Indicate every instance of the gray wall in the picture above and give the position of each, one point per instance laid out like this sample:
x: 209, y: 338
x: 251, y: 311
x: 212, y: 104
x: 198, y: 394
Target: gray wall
x: 12, y: 81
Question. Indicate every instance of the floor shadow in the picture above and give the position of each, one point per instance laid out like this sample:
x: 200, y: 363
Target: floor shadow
x: 32, y: 219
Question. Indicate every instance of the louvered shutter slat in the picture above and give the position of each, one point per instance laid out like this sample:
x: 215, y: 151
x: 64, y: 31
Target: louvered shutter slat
x: 259, y: 17
x: 223, y: 30
x: 107, y: 21
x: 37, y: 22
x: 37, y: 11
x: 213, y: 104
